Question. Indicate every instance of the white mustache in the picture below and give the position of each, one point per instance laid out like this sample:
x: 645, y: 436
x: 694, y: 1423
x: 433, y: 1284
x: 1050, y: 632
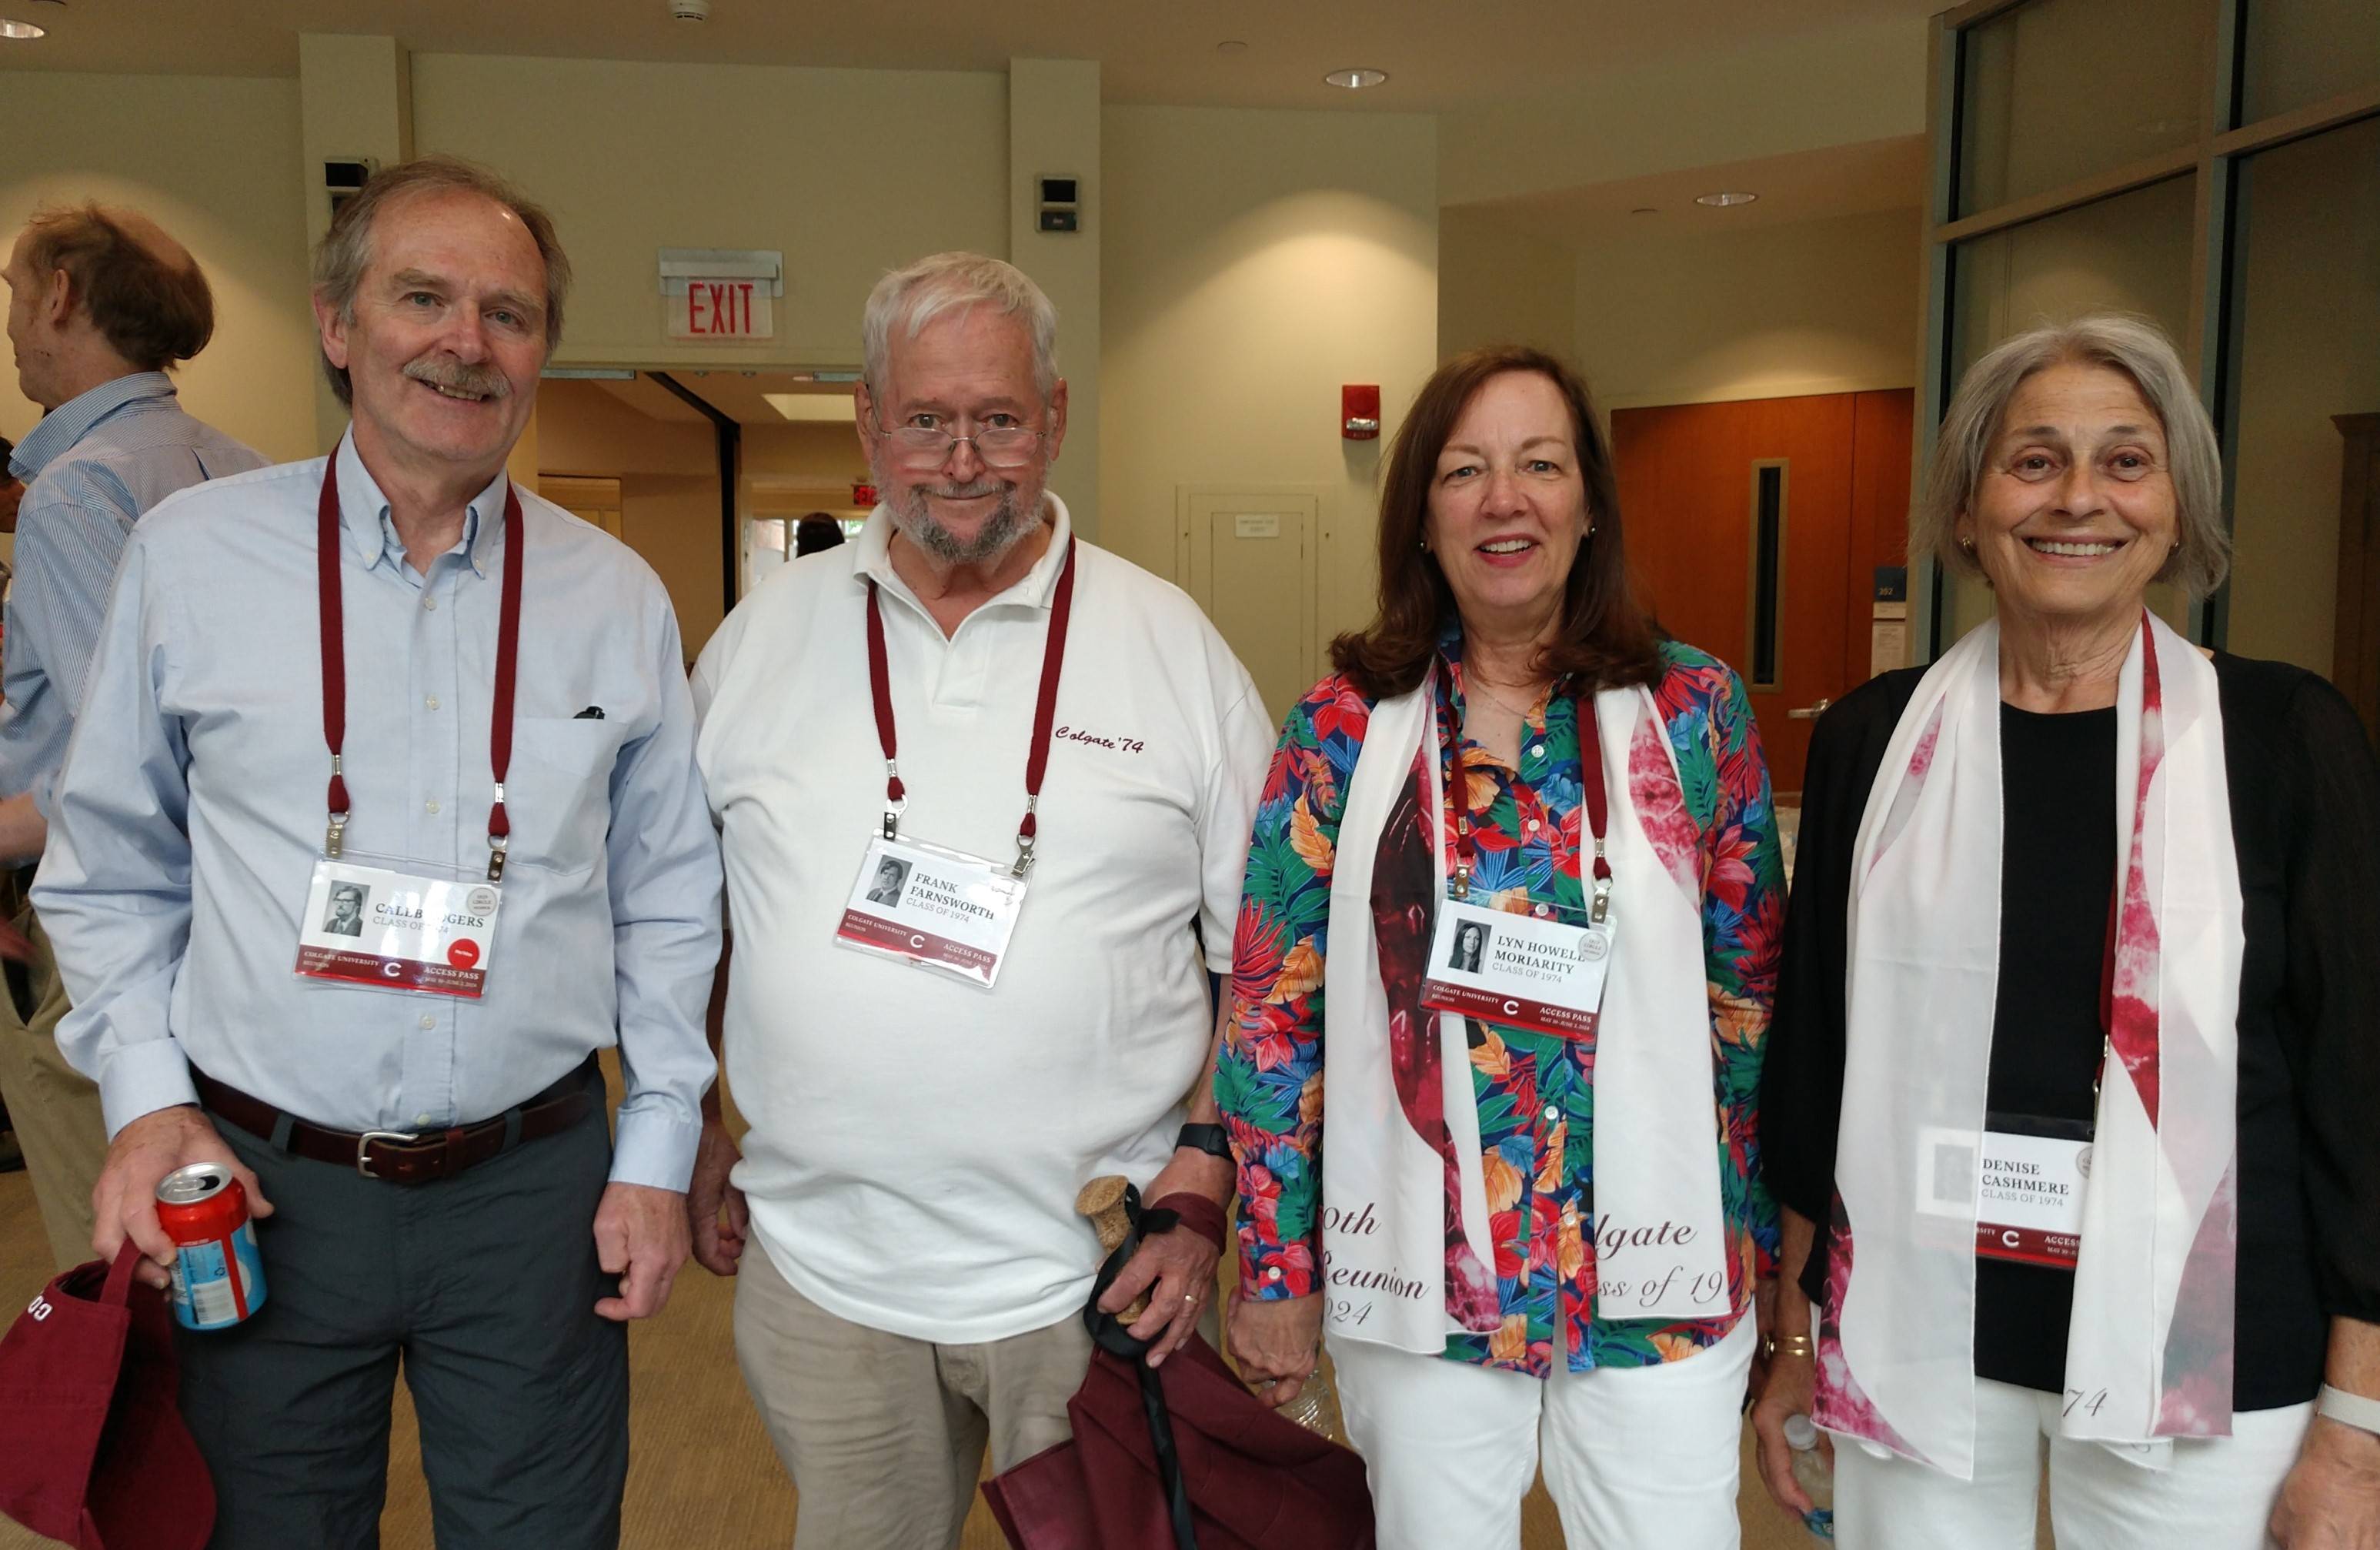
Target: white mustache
x: 457, y: 377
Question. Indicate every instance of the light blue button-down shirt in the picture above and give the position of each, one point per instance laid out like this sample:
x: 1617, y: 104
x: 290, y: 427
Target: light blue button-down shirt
x: 191, y: 813
x: 91, y: 467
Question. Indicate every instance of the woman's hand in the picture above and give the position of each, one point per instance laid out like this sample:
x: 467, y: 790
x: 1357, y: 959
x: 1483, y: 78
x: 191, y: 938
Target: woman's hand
x: 2331, y: 1500
x: 1277, y: 1344
x: 1790, y: 1391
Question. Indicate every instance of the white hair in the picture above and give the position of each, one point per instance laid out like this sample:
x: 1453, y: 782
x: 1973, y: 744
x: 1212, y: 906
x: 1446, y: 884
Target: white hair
x: 910, y: 298
x: 2139, y: 349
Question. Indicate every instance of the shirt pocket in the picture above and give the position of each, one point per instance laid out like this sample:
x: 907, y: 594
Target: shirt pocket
x: 558, y: 792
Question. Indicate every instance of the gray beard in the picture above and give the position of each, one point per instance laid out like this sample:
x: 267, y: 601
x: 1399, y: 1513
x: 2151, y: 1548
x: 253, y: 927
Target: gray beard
x: 1008, y: 526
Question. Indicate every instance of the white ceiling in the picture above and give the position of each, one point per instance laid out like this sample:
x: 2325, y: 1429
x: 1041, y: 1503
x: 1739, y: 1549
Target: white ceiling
x: 1438, y: 55
x: 1838, y: 180
x: 738, y: 394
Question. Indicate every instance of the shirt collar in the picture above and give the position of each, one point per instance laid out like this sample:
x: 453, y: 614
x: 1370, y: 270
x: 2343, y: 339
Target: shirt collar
x: 1038, y: 587
x: 70, y: 421
x: 364, y: 513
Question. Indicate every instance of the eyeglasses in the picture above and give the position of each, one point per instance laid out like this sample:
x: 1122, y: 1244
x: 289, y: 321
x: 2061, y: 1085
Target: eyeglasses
x: 929, y: 446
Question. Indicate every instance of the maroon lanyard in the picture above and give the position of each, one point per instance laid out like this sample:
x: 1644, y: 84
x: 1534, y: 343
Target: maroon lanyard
x: 334, y: 668
x: 1044, y: 712
x: 1598, y: 809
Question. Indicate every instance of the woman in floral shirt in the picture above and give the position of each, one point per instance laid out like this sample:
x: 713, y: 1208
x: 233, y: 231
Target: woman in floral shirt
x: 1453, y: 1237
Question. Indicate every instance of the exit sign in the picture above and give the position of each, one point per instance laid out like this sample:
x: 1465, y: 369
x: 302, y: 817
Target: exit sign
x: 725, y: 309
x: 727, y: 295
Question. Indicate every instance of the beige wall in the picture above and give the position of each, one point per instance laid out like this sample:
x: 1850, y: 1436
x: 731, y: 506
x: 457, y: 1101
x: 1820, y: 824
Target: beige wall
x: 1825, y: 306
x: 136, y: 140
x: 1498, y: 285
x: 633, y: 158
x: 1255, y: 261
x: 2311, y: 316
x: 669, y: 490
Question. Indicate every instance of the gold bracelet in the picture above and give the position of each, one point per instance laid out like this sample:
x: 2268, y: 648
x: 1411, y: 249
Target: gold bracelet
x: 1791, y: 1345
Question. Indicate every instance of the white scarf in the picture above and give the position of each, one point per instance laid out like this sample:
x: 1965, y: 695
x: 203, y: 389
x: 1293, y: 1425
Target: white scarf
x: 2149, y: 1348
x: 1388, y: 1253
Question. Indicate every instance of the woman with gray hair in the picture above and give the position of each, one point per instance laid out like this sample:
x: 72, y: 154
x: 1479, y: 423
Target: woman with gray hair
x: 2071, y: 1060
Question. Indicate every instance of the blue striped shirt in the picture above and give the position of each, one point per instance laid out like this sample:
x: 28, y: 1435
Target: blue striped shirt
x: 92, y: 469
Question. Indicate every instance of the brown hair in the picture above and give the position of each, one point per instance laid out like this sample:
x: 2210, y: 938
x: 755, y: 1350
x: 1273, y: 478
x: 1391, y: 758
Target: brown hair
x: 1605, y: 639
x: 345, y: 251
x: 152, y: 311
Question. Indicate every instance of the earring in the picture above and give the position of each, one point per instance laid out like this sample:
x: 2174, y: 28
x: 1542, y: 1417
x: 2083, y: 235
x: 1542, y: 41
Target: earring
x: 1968, y: 544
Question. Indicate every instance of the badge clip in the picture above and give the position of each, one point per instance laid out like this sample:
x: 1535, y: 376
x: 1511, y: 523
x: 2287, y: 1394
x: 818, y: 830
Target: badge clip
x: 334, y: 836
x: 496, y: 843
x: 1601, y: 907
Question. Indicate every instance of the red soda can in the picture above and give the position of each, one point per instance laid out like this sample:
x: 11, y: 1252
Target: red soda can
x: 218, y: 1275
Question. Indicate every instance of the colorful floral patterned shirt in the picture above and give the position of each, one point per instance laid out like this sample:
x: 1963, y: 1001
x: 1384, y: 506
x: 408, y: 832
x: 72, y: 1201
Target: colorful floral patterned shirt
x: 1537, y: 1170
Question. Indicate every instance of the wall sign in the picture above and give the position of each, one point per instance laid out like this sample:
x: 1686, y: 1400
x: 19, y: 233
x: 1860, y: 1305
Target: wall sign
x: 720, y: 294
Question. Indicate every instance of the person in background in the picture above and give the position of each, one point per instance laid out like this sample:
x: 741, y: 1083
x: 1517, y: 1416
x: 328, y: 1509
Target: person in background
x: 436, y: 1183
x: 911, y: 1272
x: 2084, y: 924
x: 1539, y: 1208
x: 815, y: 531
x: 100, y: 303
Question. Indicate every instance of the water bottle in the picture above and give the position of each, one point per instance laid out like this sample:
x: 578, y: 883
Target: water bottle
x: 1814, y: 1474
x: 1317, y: 1407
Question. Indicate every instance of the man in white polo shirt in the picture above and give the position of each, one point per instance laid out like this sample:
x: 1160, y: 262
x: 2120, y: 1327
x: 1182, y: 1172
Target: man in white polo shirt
x: 985, y: 793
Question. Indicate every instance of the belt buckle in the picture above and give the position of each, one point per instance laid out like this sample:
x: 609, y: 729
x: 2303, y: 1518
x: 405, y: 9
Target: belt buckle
x: 363, y: 1147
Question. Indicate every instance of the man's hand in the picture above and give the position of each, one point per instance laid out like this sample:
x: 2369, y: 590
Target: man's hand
x: 1177, y: 1268
x: 717, y: 1244
x: 1278, y: 1344
x: 124, y: 1201
x: 640, y: 1236
x: 2331, y: 1500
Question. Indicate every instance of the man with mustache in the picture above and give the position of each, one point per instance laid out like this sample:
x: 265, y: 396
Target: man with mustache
x: 931, y: 1077
x: 365, y: 671
x: 100, y: 303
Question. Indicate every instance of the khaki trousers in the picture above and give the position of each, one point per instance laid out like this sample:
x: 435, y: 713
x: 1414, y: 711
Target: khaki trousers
x: 53, y: 1107
x: 884, y: 1435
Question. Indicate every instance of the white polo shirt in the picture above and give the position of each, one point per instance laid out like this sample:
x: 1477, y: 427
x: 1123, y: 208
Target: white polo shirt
x: 917, y: 1143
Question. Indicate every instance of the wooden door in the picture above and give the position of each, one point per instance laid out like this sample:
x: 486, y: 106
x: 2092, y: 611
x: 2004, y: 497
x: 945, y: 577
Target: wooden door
x: 1754, y: 528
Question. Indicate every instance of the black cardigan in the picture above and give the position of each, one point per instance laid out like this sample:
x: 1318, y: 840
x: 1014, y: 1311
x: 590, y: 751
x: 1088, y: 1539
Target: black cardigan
x: 2305, y: 821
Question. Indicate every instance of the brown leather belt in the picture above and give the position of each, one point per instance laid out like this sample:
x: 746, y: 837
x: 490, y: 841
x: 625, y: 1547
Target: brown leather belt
x: 405, y: 1156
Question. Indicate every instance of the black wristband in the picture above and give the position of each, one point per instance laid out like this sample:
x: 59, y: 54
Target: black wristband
x: 1213, y: 1140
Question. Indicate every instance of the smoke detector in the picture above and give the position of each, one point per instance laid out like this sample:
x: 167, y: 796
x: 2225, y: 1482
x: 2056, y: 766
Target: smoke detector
x: 690, y: 10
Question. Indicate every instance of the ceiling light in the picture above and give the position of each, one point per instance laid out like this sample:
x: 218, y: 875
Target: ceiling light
x: 1645, y: 210
x: 1725, y: 201
x: 827, y: 407
x: 690, y: 10
x: 1357, y: 79
x: 21, y: 30
x: 1230, y: 46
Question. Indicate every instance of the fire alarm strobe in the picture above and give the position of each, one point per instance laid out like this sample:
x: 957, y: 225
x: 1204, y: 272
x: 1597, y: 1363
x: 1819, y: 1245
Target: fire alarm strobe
x: 1359, y: 411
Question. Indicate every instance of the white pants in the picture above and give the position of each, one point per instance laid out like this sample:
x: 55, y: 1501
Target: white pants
x: 1634, y: 1456
x: 2215, y: 1494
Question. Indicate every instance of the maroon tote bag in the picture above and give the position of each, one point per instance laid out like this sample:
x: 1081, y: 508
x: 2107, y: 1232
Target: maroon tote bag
x: 92, y: 1447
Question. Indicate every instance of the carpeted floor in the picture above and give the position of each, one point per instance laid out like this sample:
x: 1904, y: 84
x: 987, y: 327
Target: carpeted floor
x: 701, y: 1472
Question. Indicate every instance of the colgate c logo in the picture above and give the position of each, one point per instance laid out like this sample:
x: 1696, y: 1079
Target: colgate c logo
x: 2008, y: 1237
x: 916, y: 941
x: 1511, y: 1007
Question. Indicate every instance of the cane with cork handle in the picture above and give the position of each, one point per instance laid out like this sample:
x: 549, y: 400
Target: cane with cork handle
x: 1103, y: 1200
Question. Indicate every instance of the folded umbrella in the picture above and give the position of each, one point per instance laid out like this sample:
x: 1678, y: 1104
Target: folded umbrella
x: 1177, y: 1458
x: 92, y: 1447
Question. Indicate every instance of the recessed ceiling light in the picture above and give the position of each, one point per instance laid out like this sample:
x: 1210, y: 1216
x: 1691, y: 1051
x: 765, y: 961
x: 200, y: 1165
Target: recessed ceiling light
x: 1725, y: 201
x: 1357, y: 79
x: 21, y: 29
x: 1230, y: 46
x: 1645, y: 210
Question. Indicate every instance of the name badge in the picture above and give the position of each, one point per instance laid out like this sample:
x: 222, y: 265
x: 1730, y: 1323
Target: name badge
x: 399, y: 927
x: 933, y: 907
x: 1528, y: 970
x: 2026, y: 1175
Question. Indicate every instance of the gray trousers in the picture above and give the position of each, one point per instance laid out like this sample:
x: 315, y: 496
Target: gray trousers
x: 484, y: 1288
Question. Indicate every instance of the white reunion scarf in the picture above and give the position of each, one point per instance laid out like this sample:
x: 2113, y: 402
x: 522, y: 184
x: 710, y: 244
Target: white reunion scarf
x: 2152, y: 1328
x: 1387, y: 1244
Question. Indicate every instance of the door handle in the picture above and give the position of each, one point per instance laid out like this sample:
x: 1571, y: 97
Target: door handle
x: 1810, y: 712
